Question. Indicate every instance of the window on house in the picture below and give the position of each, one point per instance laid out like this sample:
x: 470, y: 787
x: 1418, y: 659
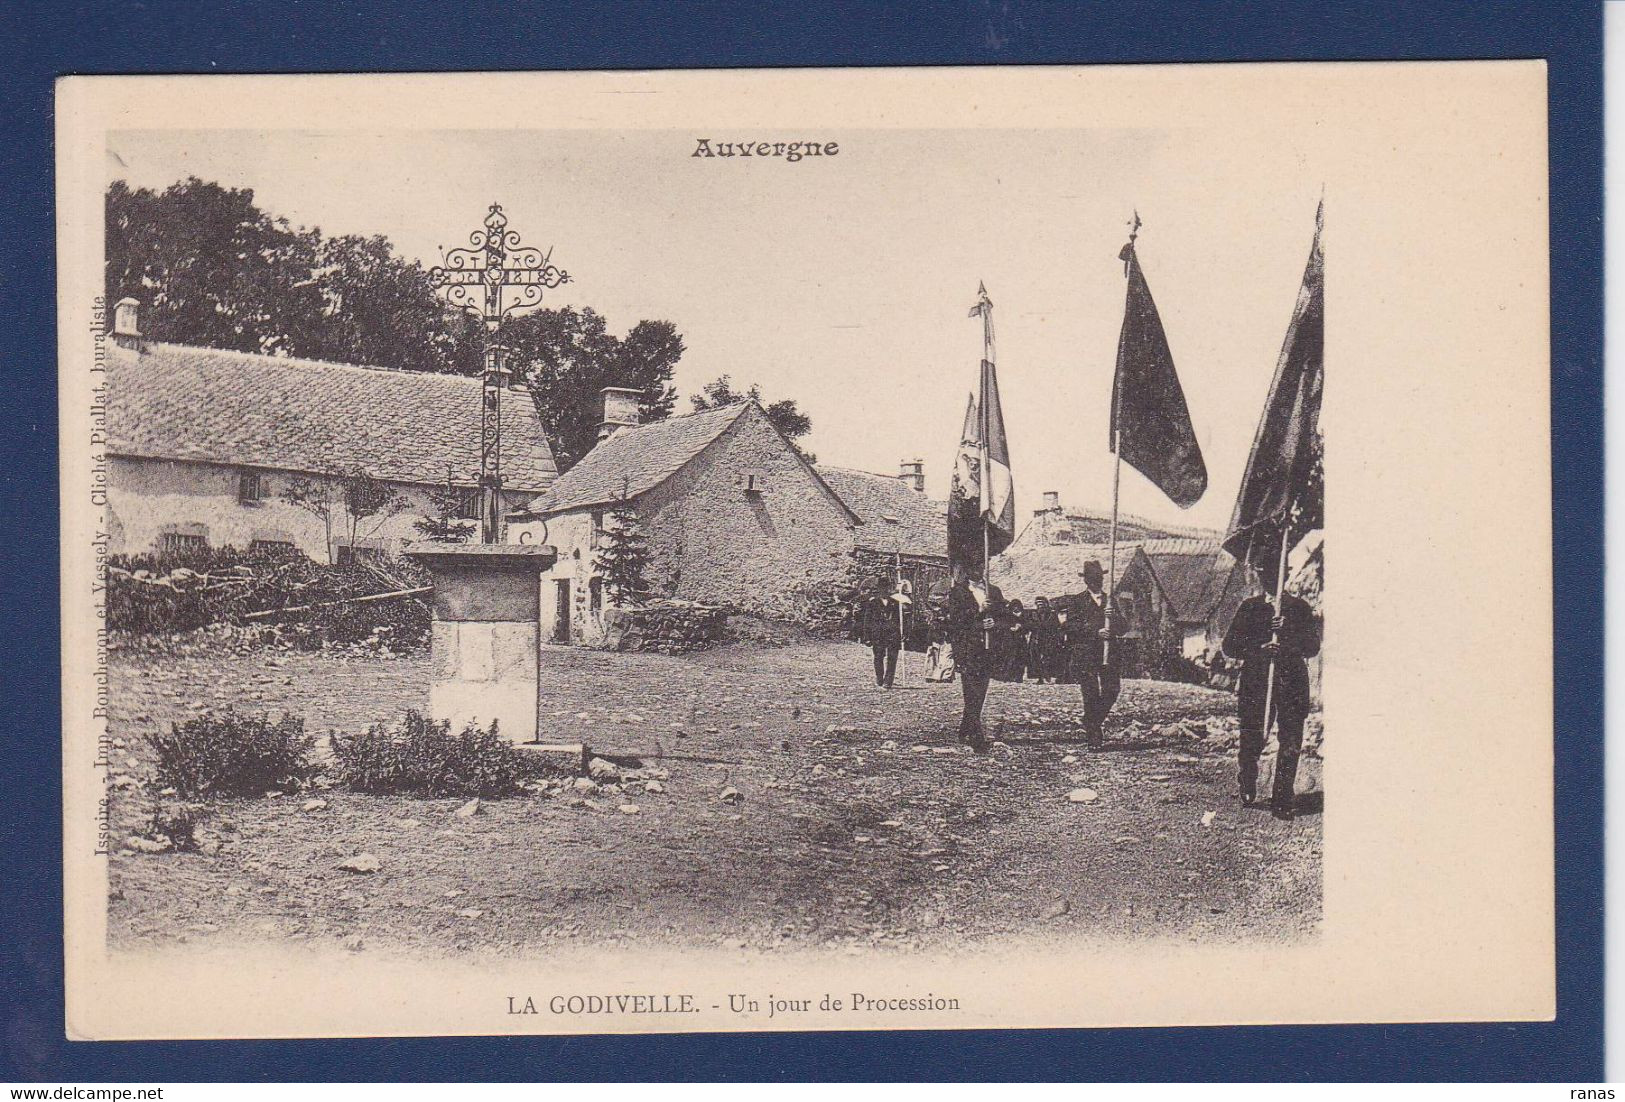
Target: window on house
x: 251, y: 488
x: 272, y: 547
x: 468, y: 503
x: 595, y: 593
x: 182, y: 541
x: 754, y: 480
x: 597, y: 528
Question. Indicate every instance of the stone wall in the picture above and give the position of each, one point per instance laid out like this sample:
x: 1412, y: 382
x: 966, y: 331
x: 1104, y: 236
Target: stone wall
x: 768, y: 552
x: 665, y: 626
x: 148, y: 497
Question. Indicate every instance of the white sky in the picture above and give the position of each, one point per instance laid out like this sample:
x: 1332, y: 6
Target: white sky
x: 845, y: 282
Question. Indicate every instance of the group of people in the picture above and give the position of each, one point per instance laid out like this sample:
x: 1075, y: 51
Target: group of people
x: 1068, y: 639
x: 1075, y: 638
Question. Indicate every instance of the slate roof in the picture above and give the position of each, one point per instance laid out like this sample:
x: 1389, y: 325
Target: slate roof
x: 173, y: 401
x: 1192, y: 572
x: 636, y: 460
x: 1056, y: 569
x: 895, y: 517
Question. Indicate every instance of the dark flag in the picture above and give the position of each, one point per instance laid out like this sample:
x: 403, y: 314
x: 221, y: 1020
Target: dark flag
x: 1283, y: 485
x: 1150, y: 422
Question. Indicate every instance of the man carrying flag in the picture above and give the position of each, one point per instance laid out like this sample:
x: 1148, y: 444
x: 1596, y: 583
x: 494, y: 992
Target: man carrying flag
x: 1282, y: 498
x: 1151, y: 430
x: 981, y: 523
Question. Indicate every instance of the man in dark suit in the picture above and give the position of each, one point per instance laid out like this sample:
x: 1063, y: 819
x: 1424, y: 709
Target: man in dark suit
x: 1095, y: 666
x: 1261, y: 637
x: 972, y: 615
x: 882, y: 631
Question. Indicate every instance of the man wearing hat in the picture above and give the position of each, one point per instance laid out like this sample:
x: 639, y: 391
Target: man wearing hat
x: 877, y: 615
x: 1281, y: 636
x: 1094, y: 665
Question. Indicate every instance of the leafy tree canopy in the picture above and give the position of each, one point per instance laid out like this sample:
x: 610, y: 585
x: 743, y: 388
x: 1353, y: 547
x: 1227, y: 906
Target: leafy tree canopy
x: 784, y: 414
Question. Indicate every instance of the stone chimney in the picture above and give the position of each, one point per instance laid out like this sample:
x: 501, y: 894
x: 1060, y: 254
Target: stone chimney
x: 620, y: 410
x: 1052, y: 502
x: 126, y: 324
x: 913, y: 475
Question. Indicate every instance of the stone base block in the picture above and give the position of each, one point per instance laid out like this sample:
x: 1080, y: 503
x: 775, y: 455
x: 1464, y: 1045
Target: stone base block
x: 511, y: 702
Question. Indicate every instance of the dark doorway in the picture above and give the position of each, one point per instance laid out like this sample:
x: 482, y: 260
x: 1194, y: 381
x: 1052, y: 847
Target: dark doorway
x: 561, y: 615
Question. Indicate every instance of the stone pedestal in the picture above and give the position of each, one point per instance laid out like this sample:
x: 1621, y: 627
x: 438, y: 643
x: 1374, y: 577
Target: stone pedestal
x: 483, y: 647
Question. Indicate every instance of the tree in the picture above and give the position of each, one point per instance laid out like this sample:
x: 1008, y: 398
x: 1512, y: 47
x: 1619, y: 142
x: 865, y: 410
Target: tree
x: 368, y: 499
x: 567, y: 357
x: 211, y: 268
x: 623, y: 554
x: 349, y: 498
x: 784, y: 414
x: 446, y: 523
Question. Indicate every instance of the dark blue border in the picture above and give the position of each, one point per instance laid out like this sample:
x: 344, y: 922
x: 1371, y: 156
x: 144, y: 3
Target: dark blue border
x: 47, y: 40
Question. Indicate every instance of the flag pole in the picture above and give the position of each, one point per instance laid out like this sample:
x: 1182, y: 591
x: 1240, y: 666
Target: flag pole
x: 986, y: 488
x: 902, y: 626
x: 1275, y: 636
x: 1117, y: 478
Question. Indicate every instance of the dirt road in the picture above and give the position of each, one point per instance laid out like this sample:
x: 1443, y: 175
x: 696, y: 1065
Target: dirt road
x: 860, y: 820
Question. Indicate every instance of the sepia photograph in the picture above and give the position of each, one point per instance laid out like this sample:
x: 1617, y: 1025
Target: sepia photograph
x: 853, y: 549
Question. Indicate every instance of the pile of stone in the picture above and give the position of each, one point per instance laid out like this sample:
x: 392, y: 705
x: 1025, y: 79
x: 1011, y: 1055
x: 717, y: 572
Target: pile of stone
x: 665, y: 626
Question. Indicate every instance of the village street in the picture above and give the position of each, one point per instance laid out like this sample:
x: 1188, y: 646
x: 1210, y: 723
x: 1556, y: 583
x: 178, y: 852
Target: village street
x: 854, y: 817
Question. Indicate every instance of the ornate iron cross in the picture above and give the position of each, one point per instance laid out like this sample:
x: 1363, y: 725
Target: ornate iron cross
x: 491, y: 279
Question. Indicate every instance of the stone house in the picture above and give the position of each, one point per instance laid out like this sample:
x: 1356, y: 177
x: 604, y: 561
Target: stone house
x: 203, y: 443
x: 1176, y: 587
x: 1202, y: 585
x: 734, y: 515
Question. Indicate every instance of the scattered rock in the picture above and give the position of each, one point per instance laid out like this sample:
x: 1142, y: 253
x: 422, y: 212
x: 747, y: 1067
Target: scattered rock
x: 470, y: 913
x: 629, y: 809
x: 312, y: 805
x: 600, y: 770
x: 731, y: 795
x: 361, y: 862
x: 1207, y: 818
x: 584, y: 784
x: 653, y: 786
x: 470, y: 809
x: 1083, y: 795
x: 149, y: 845
x: 1058, y: 908
x: 1070, y: 759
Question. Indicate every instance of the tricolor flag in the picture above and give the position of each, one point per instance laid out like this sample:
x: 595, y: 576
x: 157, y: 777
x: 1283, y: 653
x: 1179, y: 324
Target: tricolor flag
x: 1283, y: 492
x: 1151, y: 425
x: 981, y: 501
